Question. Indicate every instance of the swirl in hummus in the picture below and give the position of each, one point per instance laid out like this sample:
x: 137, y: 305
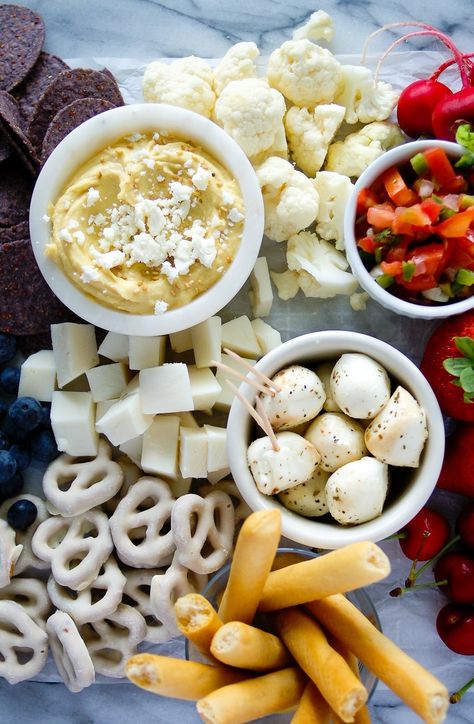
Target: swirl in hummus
x: 147, y: 224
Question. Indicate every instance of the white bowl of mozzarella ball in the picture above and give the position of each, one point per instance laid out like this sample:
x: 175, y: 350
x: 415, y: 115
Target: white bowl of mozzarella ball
x: 356, y: 441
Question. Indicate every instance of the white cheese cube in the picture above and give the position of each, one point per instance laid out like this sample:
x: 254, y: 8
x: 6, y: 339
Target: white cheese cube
x: 181, y: 341
x: 132, y: 387
x: 133, y: 449
x: 146, y: 352
x: 261, y: 294
x: 216, y: 448
x: 124, y: 420
x: 72, y: 421
x: 160, y: 446
x: 115, y: 347
x: 226, y: 395
x: 205, y: 389
x: 166, y: 389
x: 206, y: 338
x: 267, y: 337
x: 74, y: 349
x: 102, y: 407
x: 218, y: 475
x: 238, y: 336
x: 38, y: 376
x: 193, y: 452
x: 187, y: 419
x: 80, y: 384
x: 107, y: 382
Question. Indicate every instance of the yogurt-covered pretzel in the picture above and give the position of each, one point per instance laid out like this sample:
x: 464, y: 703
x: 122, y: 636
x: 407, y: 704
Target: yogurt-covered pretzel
x: 23, y: 644
x: 9, y: 553
x: 203, y: 546
x: 31, y: 594
x: 69, y: 651
x: 74, y: 485
x: 167, y: 587
x: 241, y: 509
x: 76, y: 547
x: 137, y: 593
x: 27, y: 558
x: 100, y: 599
x: 114, y: 639
x: 138, y: 522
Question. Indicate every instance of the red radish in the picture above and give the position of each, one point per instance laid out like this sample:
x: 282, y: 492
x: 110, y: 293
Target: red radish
x: 451, y: 111
x: 424, y: 95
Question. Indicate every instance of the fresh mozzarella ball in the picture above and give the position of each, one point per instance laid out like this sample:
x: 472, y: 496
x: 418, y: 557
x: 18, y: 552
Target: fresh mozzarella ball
x: 277, y: 470
x: 356, y: 492
x: 337, y: 438
x: 398, y: 434
x: 309, y: 498
x: 359, y: 385
x: 324, y: 371
x: 300, y: 399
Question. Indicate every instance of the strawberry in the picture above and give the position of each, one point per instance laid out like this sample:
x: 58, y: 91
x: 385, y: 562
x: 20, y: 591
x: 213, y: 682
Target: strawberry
x: 448, y: 365
x: 457, y: 473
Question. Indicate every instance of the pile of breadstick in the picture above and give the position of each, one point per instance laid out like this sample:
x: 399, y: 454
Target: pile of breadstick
x: 309, y: 660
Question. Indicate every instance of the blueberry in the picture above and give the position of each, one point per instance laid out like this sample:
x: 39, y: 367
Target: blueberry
x: 25, y: 413
x: 12, y: 487
x: 43, y: 446
x: 7, y: 466
x: 45, y: 416
x: 3, y: 409
x: 12, y: 431
x: 10, y: 379
x: 4, y: 441
x: 7, y: 348
x: 22, y: 514
x: 21, y: 455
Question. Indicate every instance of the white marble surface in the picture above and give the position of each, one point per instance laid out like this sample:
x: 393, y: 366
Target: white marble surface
x: 148, y: 29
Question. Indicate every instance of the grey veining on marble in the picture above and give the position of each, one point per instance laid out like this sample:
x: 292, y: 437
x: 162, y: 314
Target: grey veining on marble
x: 147, y: 29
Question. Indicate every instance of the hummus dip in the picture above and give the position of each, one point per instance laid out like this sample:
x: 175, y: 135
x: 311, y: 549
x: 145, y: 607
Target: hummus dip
x: 147, y: 224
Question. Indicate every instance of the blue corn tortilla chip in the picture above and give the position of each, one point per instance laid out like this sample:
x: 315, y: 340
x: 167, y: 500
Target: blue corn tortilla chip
x: 16, y: 186
x: 14, y: 233
x: 11, y: 122
x: 45, y: 70
x: 21, y: 40
x: 5, y: 148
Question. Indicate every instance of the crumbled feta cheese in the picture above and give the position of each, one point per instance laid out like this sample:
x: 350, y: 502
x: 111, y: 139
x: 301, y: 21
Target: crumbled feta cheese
x: 80, y: 237
x: 160, y: 306
x: 201, y: 179
x: 235, y: 216
x: 45, y: 219
x: 109, y: 260
x: 65, y: 235
x: 227, y: 198
x: 89, y: 274
x: 92, y: 196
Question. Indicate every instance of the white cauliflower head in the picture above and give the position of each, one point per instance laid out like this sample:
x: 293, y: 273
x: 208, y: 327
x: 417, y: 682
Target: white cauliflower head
x: 238, y: 63
x: 352, y: 156
x: 252, y: 113
x: 291, y: 201
x: 310, y: 133
x: 286, y: 283
x: 321, y: 268
x: 364, y: 99
x: 334, y: 190
x: 318, y: 27
x: 279, y: 148
x: 304, y: 72
x: 185, y: 82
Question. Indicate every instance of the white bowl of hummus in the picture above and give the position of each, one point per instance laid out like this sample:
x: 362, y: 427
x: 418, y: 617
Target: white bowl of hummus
x: 146, y: 219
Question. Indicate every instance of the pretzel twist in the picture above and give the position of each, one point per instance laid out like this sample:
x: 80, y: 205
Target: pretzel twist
x: 27, y: 558
x: 65, y: 542
x: 20, y: 635
x: 241, y: 509
x: 205, y: 547
x: 90, y: 481
x: 138, y: 522
x: 167, y: 587
x: 31, y: 594
x: 137, y: 593
x: 69, y: 652
x: 9, y: 553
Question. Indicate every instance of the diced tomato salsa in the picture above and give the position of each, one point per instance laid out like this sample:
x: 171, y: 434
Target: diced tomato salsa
x: 415, y: 229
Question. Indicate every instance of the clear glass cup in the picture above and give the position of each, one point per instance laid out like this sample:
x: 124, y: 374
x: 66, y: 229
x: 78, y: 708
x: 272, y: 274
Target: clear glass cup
x: 359, y: 598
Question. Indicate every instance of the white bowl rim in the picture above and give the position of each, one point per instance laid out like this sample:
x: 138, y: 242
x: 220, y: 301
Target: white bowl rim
x: 95, y: 134
x: 327, y: 345
x: 382, y: 296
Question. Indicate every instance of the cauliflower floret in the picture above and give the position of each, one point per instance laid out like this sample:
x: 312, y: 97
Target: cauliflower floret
x: 286, y: 283
x: 318, y: 27
x: 290, y: 199
x: 252, y: 113
x: 279, y: 148
x: 364, y: 99
x: 334, y: 190
x: 310, y: 133
x: 321, y: 268
x: 237, y: 64
x: 358, y: 301
x: 185, y: 83
x: 305, y: 73
x: 352, y: 156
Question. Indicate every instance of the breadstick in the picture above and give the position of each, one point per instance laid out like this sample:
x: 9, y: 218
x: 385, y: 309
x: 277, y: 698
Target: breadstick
x: 339, y: 571
x: 313, y: 707
x: 309, y: 646
x: 416, y: 686
x: 197, y: 620
x: 253, y: 557
x: 253, y: 698
x: 363, y: 715
x: 178, y: 678
x: 246, y: 647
